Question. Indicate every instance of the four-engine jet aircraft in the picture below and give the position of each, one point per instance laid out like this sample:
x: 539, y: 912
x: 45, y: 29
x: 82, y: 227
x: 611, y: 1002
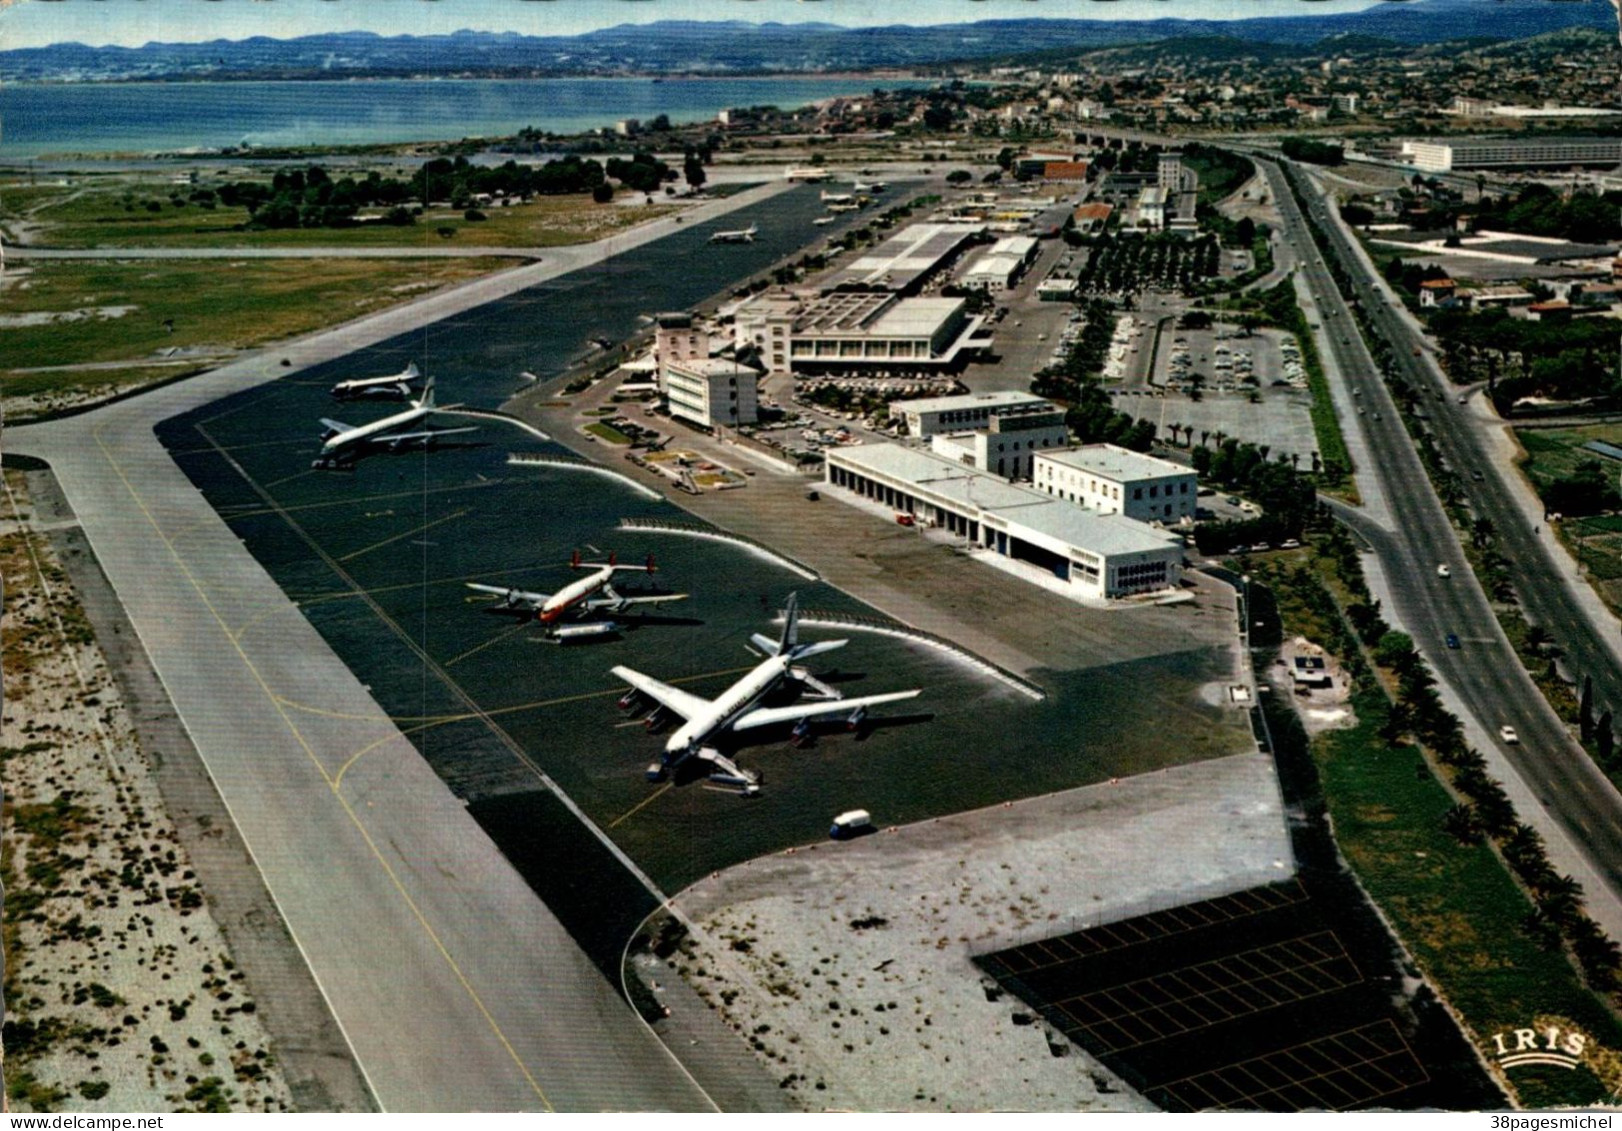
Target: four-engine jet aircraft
x: 706, y: 720
x: 739, y: 235
x: 342, y: 444
x: 593, y: 595
x: 396, y: 388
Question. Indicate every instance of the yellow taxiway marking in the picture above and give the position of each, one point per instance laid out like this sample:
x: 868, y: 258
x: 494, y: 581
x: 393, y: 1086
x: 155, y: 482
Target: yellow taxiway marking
x: 648, y: 800
x: 290, y: 478
x: 496, y: 639
x: 253, y: 620
x: 351, y: 500
x: 354, y: 818
x: 351, y: 594
x: 452, y: 517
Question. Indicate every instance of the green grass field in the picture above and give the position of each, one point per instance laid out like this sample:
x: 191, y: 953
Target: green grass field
x: 123, y: 216
x: 608, y: 432
x: 1455, y: 906
x: 1553, y: 453
x: 122, y: 314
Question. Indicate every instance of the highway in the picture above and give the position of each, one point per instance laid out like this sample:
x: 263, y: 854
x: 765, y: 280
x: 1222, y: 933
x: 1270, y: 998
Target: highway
x: 1415, y: 536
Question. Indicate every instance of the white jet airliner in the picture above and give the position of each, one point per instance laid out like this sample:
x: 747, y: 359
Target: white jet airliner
x: 591, y: 595
x: 398, y: 387
x: 736, y: 710
x: 739, y: 235
x: 342, y: 444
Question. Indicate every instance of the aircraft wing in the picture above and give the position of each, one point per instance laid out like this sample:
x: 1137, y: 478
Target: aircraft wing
x: 513, y: 597
x: 682, y: 703
x: 614, y: 604
x: 767, y: 716
x: 427, y: 435
x: 334, y: 425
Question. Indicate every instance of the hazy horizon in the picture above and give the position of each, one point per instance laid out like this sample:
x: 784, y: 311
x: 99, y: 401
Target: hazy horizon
x: 100, y: 23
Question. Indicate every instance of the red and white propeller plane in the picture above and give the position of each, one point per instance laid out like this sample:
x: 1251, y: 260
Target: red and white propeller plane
x: 593, y: 596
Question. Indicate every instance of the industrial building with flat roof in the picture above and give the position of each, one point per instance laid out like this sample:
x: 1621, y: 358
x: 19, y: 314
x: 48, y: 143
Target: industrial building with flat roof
x: 858, y: 334
x: 926, y: 416
x: 1093, y: 555
x: 1441, y: 156
x: 1115, y: 480
x: 1000, y: 266
x: 902, y: 263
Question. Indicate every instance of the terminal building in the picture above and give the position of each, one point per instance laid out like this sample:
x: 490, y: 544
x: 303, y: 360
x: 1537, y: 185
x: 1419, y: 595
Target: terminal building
x: 1114, y: 480
x: 712, y: 391
x: 1088, y: 554
x: 1439, y: 156
x: 907, y: 260
x: 927, y: 416
x: 858, y: 334
x: 1008, y: 445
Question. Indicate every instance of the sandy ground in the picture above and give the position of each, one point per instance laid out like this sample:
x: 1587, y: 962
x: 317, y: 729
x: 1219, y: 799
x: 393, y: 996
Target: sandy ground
x: 848, y: 965
x: 121, y: 992
x: 1320, y: 708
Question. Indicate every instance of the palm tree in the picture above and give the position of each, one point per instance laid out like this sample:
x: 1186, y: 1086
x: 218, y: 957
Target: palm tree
x: 1460, y: 823
x: 1536, y: 638
x: 1205, y: 434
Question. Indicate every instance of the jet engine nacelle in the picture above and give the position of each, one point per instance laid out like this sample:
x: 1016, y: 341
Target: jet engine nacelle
x: 856, y: 718
x: 655, y: 719
x: 801, y: 734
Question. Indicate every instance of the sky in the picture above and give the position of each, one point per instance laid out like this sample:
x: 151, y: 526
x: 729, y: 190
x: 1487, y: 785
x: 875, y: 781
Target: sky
x: 35, y: 23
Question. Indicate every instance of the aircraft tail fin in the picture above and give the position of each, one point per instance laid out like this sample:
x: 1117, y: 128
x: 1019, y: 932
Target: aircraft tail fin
x: 766, y: 644
x: 791, y: 625
x: 427, y: 400
x: 806, y: 651
x: 411, y: 372
x: 574, y: 560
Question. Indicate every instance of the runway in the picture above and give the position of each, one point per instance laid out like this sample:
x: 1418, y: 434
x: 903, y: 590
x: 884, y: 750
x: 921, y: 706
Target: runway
x: 416, y: 928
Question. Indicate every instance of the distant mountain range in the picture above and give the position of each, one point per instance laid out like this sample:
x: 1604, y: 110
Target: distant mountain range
x: 736, y: 47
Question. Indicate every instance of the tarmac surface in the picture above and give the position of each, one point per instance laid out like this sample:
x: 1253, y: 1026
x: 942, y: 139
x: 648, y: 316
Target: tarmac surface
x: 854, y: 961
x: 414, y: 925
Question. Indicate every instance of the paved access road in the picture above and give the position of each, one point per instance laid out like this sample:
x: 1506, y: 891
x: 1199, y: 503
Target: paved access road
x: 455, y: 987
x: 1411, y: 534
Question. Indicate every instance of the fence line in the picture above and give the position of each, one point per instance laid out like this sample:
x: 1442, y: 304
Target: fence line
x: 715, y: 534
x: 492, y: 414
x: 907, y: 632
x: 568, y: 463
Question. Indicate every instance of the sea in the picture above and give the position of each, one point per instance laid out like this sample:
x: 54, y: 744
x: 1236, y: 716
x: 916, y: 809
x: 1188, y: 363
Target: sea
x: 43, y: 119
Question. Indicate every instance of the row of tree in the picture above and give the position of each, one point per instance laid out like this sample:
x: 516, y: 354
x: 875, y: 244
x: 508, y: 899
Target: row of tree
x: 312, y: 198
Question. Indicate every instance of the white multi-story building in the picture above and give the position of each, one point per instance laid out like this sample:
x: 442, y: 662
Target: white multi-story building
x: 1007, y: 446
x: 1114, y: 480
x: 1346, y: 103
x: 1152, y: 207
x: 928, y: 416
x: 1509, y: 152
x: 857, y: 333
x: 1169, y: 171
x: 677, y: 338
x: 711, y: 391
x: 1085, y: 553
